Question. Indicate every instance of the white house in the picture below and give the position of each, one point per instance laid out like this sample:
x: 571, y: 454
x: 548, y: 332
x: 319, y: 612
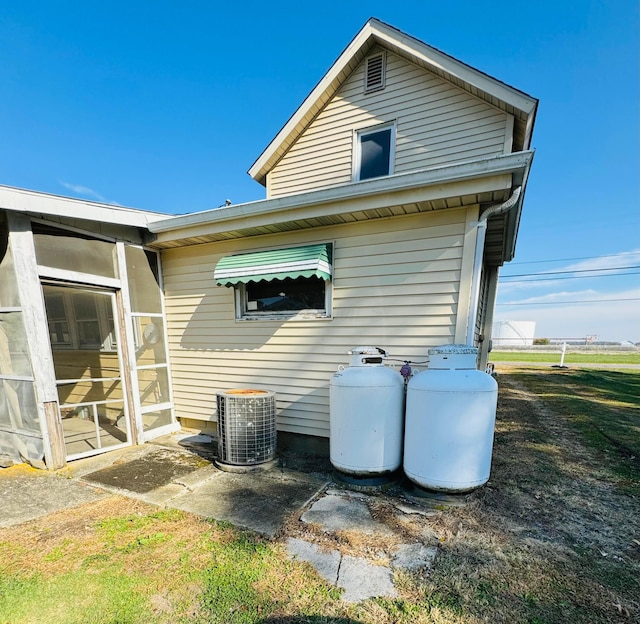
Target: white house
x: 394, y: 194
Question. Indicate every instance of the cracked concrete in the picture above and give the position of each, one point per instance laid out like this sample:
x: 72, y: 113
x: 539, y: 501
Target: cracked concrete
x: 345, y: 513
x: 360, y: 578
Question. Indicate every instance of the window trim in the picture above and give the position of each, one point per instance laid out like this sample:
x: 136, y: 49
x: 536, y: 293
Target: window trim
x: 357, y: 148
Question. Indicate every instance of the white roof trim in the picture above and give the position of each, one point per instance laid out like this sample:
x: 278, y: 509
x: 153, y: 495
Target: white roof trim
x: 34, y: 202
x: 383, y: 33
x: 495, y: 165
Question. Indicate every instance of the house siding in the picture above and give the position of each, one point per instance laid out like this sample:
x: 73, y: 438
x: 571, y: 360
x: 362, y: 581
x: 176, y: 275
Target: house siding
x: 395, y: 285
x: 437, y: 124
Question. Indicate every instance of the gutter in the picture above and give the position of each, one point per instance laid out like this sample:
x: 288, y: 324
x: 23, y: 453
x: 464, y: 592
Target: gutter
x: 481, y: 224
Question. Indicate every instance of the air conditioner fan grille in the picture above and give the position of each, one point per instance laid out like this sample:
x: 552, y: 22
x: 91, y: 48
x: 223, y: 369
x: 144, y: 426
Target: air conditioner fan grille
x: 246, y: 427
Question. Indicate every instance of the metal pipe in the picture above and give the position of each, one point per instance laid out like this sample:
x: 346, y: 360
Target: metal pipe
x: 481, y: 224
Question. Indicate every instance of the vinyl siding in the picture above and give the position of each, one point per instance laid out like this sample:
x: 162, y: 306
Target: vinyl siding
x: 437, y: 124
x: 395, y: 285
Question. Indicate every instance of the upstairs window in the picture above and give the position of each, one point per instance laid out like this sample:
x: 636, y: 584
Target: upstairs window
x: 374, y: 149
x: 375, y: 72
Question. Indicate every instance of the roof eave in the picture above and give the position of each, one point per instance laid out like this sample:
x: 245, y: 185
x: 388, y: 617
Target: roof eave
x: 481, y: 168
x: 44, y: 204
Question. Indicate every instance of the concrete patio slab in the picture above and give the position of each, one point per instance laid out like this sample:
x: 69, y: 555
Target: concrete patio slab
x: 258, y: 501
x: 27, y: 494
x: 413, y: 557
x: 361, y: 580
x: 154, y: 469
x: 344, y: 513
x: 327, y: 564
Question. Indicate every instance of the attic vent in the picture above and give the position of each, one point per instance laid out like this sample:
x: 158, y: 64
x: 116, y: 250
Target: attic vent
x: 374, y: 77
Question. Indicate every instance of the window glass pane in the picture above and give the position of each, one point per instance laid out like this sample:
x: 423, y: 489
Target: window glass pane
x: 84, y: 306
x: 8, y: 285
x: 153, y: 420
x: 18, y: 405
x: 144, y: 289
x: 375, y: 149
x: 154, y: 386
x: 287, y: 295
x: 63, y: 250
x: 14, y: 357
x: 89, y: 336
x: 148, y: 334
x: 59, y: 331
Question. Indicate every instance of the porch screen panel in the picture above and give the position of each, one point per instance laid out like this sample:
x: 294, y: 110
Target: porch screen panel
x: 14, y: 358
x: 20, y: 433
x: 18, y: 410
x: 9, y: 297
x: 148, y: 333
x: 60, y: 249
x: 147, y: 317
x: 144, y: 287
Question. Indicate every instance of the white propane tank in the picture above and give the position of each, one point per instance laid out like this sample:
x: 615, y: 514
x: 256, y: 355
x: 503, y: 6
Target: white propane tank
x: 450, y: 420
x: 366, y: 415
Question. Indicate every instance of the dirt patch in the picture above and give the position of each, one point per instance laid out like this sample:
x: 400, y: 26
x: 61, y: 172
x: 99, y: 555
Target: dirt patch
x: 557, y: 489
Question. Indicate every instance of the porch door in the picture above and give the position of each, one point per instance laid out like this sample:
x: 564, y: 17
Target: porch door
x: 86, y: 348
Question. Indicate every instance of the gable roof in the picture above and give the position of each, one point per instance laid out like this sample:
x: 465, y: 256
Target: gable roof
x: 374, y: 32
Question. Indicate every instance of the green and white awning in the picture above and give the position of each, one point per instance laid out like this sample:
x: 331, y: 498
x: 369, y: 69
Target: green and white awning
x: 307, y: 261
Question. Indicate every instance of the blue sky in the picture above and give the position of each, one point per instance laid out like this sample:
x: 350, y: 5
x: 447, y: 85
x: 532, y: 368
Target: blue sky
x: 165, y: 105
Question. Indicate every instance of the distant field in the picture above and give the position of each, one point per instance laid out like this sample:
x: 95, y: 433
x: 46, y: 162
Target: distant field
x: 570, y: 358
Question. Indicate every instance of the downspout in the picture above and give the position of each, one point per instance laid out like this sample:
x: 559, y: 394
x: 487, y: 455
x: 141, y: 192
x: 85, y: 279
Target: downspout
x: 481, y: 224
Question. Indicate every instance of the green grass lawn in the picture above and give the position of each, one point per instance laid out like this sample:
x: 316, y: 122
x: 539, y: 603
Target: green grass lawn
x: 552, y: 538
x: 580, y: 357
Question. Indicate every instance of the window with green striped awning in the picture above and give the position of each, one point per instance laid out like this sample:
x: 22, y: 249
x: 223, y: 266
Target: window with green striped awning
x: 293, y: 262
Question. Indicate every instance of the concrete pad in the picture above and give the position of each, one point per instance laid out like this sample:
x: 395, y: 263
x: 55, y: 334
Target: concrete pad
x: 414, y: 557
x: 200, y: 444
x: 344, y: 513
x: 195, y: 479
x: 78, y: 468
x: 161, y: 496
x: 257, y: 501
x: 326, y: 564
x: 361, y: 580
x: 27, y: 494
x: 154, y: 469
